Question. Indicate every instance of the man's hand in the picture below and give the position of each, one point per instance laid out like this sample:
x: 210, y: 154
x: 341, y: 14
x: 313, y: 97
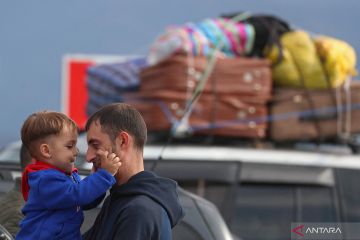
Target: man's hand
x: 109, y: 162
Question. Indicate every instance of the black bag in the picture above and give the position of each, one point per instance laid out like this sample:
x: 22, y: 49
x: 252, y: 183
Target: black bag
x: 268, y: 30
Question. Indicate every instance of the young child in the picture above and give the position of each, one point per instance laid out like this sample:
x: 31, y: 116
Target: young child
x: 52, y: 189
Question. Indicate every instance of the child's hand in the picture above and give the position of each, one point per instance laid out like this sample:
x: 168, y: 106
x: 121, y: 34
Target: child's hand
x: 109, y: 162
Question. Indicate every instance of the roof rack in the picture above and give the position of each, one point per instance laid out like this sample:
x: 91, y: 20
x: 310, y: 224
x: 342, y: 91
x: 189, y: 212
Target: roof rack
x: 335, y: 146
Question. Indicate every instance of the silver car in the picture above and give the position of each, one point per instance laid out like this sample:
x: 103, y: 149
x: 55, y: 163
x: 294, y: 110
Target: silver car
x: 259, y: 192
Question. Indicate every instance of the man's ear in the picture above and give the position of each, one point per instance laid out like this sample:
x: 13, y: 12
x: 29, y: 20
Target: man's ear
x: 45, y: 150
x: 123, y: 139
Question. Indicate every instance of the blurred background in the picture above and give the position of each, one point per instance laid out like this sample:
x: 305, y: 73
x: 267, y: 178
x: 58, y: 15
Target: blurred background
x: 259, y: 188
x: 35, y: 35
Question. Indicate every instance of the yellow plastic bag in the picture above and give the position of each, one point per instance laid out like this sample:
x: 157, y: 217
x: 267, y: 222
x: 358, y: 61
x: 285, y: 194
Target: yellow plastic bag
x: 338, y: 57
x: 300, y: 65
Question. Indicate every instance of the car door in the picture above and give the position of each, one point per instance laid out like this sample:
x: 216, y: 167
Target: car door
x: 260, y: 201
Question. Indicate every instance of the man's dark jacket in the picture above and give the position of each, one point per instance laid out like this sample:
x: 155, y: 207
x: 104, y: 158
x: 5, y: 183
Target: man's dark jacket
x: 146, y: 207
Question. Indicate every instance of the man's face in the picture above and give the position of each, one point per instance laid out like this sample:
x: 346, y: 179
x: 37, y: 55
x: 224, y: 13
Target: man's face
x: 97, y: 139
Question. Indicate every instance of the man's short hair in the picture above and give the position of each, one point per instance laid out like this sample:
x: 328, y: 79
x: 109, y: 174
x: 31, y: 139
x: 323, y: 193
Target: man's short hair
x: 43, y: 124
x: 118, y: 117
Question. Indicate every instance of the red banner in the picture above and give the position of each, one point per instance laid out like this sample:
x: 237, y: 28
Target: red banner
x: 74, y: 90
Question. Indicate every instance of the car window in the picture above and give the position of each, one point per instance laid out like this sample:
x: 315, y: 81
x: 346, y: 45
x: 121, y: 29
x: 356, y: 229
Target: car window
x: 263, y: 212
x: 266, y: 210
x: 349, y: 190
x: 316, y: 204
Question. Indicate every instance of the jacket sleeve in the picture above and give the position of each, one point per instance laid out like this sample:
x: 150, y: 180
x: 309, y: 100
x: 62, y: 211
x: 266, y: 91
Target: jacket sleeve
x: 95, y: 203
x: 59, y: 192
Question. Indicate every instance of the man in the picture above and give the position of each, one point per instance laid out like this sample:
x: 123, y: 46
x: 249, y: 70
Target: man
x: 12, y: 202
x: 141, y: 205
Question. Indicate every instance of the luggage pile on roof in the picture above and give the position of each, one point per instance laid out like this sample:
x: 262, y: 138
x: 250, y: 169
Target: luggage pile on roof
x: 238, y: 75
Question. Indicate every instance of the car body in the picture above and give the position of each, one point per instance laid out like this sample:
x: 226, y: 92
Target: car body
x: 260, y: 191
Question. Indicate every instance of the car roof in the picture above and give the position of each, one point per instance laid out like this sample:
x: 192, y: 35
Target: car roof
x: 324, y: 156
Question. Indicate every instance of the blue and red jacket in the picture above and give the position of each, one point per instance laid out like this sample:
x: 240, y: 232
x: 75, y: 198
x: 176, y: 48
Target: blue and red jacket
x: 55, y: 201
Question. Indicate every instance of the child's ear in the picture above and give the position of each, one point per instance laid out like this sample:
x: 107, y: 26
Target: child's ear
x: 45, y: 150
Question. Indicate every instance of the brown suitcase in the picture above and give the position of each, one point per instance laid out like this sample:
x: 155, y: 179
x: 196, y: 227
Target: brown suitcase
x: 245, y: 76
x: 292, y: 117
x: 221, y: 115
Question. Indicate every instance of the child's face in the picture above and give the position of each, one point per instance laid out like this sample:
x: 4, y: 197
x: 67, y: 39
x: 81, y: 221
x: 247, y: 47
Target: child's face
x: 63, y: 149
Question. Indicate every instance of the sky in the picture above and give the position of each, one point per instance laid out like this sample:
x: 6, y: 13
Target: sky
x: 35, y: 35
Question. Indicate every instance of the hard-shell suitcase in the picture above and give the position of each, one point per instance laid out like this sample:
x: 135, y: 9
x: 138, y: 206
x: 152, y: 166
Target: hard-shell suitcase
x: 221, y: 115
x: 315, y: 114
x: 245, y: 76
